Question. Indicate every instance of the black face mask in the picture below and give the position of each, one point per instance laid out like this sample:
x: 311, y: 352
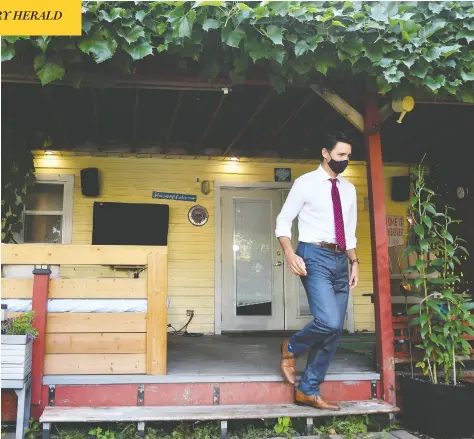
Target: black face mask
x: 338, y: 167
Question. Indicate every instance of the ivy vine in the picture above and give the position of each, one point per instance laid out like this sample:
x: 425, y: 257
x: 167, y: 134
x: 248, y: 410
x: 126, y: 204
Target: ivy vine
x: 413, y: 47
x: 17, y: 177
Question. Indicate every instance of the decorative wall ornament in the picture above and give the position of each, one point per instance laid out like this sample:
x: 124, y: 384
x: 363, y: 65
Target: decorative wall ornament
x: 198, y: 215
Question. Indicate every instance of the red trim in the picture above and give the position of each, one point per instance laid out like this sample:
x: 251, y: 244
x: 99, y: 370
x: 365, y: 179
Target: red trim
x: 380, y: 262
x: 39, y: 306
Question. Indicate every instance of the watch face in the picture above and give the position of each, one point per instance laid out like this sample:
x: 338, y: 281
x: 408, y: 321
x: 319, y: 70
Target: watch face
x: 460, y: 192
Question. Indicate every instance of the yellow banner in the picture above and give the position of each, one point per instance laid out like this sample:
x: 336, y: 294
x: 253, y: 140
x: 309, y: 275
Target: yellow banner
x: 45, y: 17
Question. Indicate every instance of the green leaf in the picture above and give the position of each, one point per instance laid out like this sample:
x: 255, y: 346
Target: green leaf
x: 210, y: 23
x: 337, y: 23
x: 419, y: 230
x: 415, y: 322
x: 8, y: 51
x: 186, y: 22
x: 324, y: 61
x: 47, y: 70
x: 379, y: 12
x: 278, y: 54
x: 434, y: 83
x: 244, y: 7
x: 467, y: 76
x: 420, y: 69
x: 199, y: 4
x: 430, y: 208
x: 101, y: 47
x: 434, y: 339
x: 437, y: 262
x: 427, y: 221
x: 424, y: 245
x: 423, y: 319
x: 131, y: 34
x: 232, y: 37
x: 467, y: 34
x: 414, y: 201
x: 301, y: 47
x: 112, y: 16
x: 140, y: 15
x: 139, y: 50
x: 420, y: 264
x: 415, y: 309
x: 278, y: 428
x: 275, y: 33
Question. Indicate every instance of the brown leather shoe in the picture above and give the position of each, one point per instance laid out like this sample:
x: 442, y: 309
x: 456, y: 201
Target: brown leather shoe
x: 314, y: 401
x: 288, y: 363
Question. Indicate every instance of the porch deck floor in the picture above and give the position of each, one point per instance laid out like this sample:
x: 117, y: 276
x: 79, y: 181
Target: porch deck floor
x: 251, y: 355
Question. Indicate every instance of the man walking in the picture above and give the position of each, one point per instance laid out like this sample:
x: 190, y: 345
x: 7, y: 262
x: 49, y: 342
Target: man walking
x: 326, y: 206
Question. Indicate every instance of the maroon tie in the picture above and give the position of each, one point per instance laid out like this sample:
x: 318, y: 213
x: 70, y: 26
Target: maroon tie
x: 338, y: 219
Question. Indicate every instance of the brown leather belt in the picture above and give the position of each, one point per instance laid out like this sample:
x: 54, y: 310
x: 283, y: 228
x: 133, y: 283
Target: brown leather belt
x: 333, y: 247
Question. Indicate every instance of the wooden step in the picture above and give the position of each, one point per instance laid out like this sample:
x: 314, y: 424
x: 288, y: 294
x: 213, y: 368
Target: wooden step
x: 220, y: 413
x: 203, y: 413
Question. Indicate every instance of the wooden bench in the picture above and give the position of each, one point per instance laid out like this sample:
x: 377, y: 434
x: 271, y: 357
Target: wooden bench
x: 143, y: 414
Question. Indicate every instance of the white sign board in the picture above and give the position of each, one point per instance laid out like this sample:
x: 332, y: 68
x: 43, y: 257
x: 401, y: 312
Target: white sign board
x: 395, y: 230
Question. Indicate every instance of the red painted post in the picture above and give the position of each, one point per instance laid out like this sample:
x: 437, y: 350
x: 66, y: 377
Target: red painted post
x: 380, y: 261
x: 40, y: 306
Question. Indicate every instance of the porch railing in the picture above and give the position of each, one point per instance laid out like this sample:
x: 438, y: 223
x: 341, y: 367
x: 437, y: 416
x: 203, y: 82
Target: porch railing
x: 95, y: 343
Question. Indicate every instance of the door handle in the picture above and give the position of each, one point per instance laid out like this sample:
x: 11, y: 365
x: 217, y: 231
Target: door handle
x: 278, y: 264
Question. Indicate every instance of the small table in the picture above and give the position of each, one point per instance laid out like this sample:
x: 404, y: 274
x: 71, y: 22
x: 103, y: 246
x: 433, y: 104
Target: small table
x: 22, y: 389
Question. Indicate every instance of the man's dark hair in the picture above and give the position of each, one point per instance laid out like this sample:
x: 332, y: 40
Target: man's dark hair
x: 330, y: 140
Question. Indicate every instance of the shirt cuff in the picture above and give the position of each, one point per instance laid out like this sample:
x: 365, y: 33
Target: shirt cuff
x: 351, y: 244
x: 283, y: 232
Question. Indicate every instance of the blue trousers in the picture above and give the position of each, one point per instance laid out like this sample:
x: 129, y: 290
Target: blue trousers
x: 327, y: 288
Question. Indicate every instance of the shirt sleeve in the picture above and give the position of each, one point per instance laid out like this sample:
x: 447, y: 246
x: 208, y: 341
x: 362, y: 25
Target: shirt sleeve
x: 352, y: 223
x: 293, y: 204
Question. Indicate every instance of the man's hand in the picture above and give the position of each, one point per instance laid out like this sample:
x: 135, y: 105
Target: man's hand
x: 296, y: 264
x: 354, y: 275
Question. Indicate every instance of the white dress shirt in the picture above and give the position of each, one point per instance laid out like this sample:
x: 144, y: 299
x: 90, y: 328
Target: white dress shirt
x: 310, y: 199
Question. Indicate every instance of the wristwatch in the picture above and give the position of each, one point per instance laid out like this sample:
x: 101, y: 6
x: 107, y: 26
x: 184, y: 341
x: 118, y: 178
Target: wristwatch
x: 353, y: 261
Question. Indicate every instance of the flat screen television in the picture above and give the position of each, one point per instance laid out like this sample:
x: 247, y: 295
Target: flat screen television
x: 130, y: 224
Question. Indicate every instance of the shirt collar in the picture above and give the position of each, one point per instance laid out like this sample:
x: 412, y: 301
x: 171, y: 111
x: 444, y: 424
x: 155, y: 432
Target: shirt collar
x: 323, y: 175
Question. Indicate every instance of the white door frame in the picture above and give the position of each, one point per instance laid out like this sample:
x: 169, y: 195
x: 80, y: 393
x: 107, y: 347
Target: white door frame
x: 218, y: 186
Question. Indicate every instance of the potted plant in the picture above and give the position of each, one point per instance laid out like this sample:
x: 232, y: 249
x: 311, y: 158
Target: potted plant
x: 438, y: 404
x: 18, y: 334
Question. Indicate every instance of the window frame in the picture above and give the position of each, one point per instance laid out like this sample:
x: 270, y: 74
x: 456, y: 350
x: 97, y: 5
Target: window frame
x: 67, y: 180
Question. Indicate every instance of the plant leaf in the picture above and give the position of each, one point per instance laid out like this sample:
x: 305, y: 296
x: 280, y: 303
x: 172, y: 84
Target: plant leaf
x: 275, y: 33
x: 209, y: 24
x: 139, y: 50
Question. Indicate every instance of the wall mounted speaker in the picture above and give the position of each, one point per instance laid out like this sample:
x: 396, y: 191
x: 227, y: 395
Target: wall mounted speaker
x: 90, y: 182
x: 400, y: 188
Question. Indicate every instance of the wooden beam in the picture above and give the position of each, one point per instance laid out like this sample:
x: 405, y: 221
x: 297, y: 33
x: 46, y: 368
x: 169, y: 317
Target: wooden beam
x: 254, y: 115
x: 175, y: 114
x: 63, y: 254
x: 214, y: 115
x: 40, y: 308
x: 341, y: 106
x: 290, y: 117
x: 385, y: 113
x: 156, y: 328
x: 379, y: 241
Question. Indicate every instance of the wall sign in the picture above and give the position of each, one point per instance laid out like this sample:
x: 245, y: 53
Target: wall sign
x: 282, y: 174
x: 395, y: 230
x: 171, y: 196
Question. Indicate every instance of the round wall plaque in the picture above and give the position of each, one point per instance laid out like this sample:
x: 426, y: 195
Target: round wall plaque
x: 198, y: 215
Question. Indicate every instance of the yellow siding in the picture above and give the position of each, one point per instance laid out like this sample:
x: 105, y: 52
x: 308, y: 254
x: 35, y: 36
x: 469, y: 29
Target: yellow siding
x: 191, y: 249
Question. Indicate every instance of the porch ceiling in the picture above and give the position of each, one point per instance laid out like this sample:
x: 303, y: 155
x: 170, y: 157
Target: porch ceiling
x: 250, y: 120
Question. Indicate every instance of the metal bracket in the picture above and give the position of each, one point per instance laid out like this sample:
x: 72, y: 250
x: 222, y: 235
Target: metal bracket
x: 46, y: 430
x: 223, y: 429
x: 141, y: 429
x: 373, y: 388
x: 309, y: 426
x: 216, y: 395
x: 52, y: 394
x: 141, y: 394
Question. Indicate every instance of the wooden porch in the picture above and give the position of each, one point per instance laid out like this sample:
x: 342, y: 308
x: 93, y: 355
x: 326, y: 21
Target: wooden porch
x: 122, y: 358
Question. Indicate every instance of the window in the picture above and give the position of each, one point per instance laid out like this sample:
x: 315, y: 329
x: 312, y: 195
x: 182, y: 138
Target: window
x: 48, y: 210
